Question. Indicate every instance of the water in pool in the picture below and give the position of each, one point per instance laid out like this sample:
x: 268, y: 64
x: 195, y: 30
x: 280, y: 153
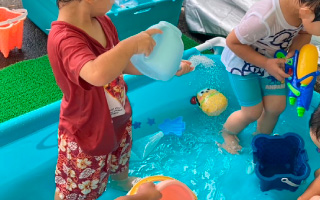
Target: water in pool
x: 192, y: 158
x: 195, y: 159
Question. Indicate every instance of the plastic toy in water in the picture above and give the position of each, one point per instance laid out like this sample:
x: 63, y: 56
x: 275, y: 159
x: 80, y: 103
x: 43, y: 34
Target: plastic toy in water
x: 175, y: 126
x: 211, y: 102
x: 303, y: 66
x: 145, y: 145
x: 142, y: 147
x: 164, y: 61
x: 170, y: 188
x: 281, y: 161
x: 11, y: 29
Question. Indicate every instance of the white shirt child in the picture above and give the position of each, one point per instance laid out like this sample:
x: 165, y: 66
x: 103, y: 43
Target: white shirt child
x: 265, y: 29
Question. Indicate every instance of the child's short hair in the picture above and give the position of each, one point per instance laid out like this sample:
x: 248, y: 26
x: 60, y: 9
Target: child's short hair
x: 313, y: 4
x: 314, y: 123
x: 64, y: 1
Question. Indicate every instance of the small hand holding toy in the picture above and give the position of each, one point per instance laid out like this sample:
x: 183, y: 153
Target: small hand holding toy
x: 212, y: 102
x: 303, y: 67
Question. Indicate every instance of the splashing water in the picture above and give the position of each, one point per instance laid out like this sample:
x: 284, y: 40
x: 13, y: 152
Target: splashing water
x: 201, y: 60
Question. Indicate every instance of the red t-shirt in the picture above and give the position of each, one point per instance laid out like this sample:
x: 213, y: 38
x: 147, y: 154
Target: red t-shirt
x: 84, y: 113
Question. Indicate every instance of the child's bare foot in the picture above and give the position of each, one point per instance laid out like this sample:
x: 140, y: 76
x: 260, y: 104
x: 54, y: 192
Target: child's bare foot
x: 124, y: 185
x: 230, y: 144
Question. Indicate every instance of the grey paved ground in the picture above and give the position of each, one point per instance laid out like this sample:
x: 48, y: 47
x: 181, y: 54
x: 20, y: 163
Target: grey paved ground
x: 35, y: 41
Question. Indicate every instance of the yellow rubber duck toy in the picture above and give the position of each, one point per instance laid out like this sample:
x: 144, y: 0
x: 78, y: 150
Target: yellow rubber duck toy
x: 211, y: 102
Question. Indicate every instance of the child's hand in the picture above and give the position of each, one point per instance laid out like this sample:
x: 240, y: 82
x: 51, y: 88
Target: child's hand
x: 290, y: 54
x: 144, y: 41
x: 149, y: 192
x: 185, y: 67
x: 275, y: 67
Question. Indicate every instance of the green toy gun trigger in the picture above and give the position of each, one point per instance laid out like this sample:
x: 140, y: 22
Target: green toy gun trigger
x: 289, y: 61
x: 281, y: 54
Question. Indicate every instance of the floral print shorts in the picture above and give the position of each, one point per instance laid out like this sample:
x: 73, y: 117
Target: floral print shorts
x: 80, y: 176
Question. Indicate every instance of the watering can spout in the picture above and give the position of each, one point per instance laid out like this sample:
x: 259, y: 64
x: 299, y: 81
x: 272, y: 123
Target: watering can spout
x: 217, y: 44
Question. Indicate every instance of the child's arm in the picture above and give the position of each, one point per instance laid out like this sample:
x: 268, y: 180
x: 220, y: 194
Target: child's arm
x: 247, y: 53
x: 131, y: 69
x: 312, y: 190
x: 106, y: 67
x: 146, y: 191
x: 297, y: 43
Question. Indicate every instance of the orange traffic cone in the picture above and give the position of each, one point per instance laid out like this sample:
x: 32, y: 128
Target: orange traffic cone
x: 11, y: 29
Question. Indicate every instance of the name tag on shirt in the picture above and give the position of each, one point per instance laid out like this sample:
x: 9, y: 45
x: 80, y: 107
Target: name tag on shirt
x: 115, y: 106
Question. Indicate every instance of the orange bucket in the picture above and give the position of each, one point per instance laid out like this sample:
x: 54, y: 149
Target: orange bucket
x: 11, y: 29
x: 170, y: 188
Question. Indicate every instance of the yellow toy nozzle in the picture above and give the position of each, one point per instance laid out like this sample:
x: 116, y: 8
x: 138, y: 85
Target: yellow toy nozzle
x: 300, y: 111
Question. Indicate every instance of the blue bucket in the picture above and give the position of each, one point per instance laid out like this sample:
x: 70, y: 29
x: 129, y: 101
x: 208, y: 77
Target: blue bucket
x: 281, y: 161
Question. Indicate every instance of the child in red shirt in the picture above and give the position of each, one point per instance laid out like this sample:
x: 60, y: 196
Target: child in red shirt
x: 88, y: 61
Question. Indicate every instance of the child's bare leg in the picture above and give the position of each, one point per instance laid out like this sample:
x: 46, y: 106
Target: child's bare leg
x: 56, y: 196
x: 317, y: 173
x: 312, y: 191
x: 235, y: 123
x: 273, y: 107
x: 122, y: 181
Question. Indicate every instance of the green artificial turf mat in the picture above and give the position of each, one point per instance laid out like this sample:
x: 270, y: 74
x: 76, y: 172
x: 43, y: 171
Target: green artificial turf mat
x: 188, y: 42
x: 30, y: 84
x: 26, y: 86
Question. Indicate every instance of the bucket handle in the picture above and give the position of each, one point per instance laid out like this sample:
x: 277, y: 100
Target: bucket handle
x: 287, y: 181
x: 24, y: 13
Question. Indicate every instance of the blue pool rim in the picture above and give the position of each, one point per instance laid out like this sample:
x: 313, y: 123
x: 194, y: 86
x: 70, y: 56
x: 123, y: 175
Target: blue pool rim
x: 48, y: 113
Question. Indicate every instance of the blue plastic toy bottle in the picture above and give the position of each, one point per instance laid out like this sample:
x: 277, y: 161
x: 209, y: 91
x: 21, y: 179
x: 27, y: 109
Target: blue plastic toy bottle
x: 164, y: 61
